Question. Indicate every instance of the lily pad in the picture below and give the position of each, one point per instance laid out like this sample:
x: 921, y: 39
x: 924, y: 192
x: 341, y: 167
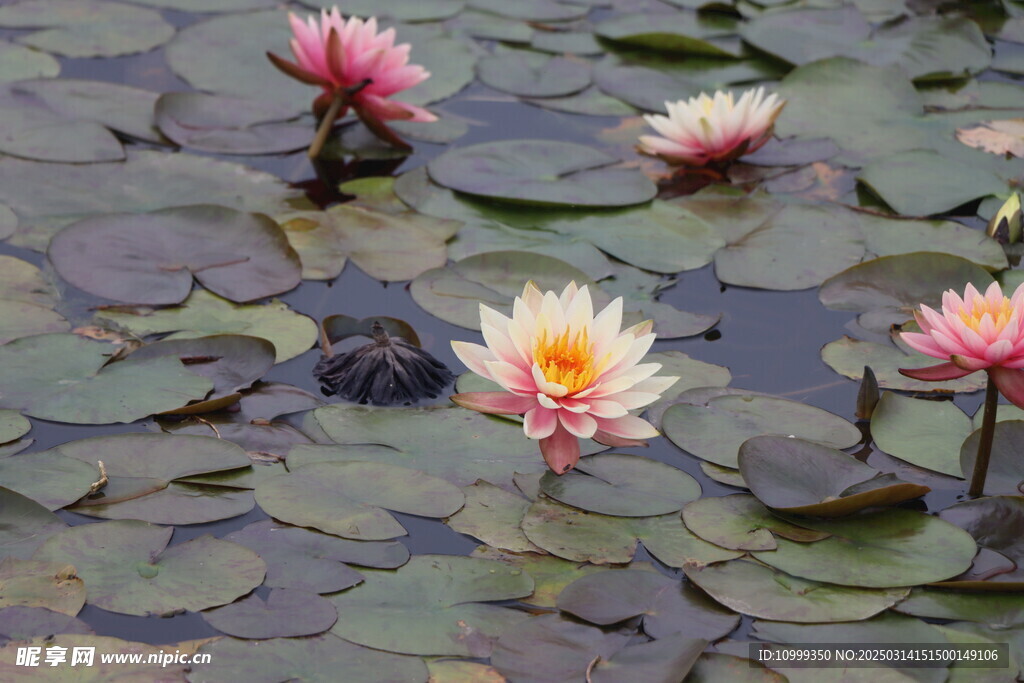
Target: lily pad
x: 924, y: 433
x: 346, y: 499
x: 492, y: 515
x: 530, y: 74
x: 531, y: 10
x: 49, y: 478
x: 804, y: 478
x: 691, y: 372
x: 848, y: 356
x: 766, y: 593
x: 204, y: 313
x: 541, y: 172
x: 999, y: 610
x: 889, y: 236
x: 286, y: 612
x: 26, y: 623
x: 307, y: 560
x: 588, y: 102
x: 29, y: 583
x: 667, y: 659
x: 741, y: 522
x: 1005, y: 470
x: 90, y: 28
x: 19, y: 319
x: 70, y: 379
x: 319, y: 657
x: 145, y: 669
x: 24, y: 525
x: 881, y: 549
x: 13, y: 425
x: 22, y: 281
x: 622, y: 485
x: 207, y: 5
x: 667, y: 605
x: 715, y: 430
x: 241, y: 256
x: 129, y: 568
x: 715, y: 666
x: 683, y: 32
x: 990, y: 521
x: 440, y: 602
x: 924, y: 183
x: 400, y: 10
x: 21, y: 62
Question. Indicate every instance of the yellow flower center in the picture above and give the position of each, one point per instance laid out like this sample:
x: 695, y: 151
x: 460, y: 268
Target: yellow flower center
x: 569, y: 362
x: 1000, y: 314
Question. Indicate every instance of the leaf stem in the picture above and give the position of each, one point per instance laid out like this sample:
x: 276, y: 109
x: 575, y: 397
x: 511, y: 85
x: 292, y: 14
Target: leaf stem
x: 326, y: 123
x: 988, y: 428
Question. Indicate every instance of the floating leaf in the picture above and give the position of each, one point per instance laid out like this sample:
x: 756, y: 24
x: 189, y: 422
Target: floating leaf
x: 684, y: 32
x: 241, y: 256
x: 924, y: 433
x: 714, y: 431
x: 286, y: 612
x: 345, y: 499
x: 924, y: 183
x: 439, y: 600
x: 492, y: 515
x: 19, y: 319
x: 542, y: 172
x: 741, y: 522
x: 49, y: 478
x: 1000, y: 610
x: 148, y: 668
x: 26, y: 623
x: 713, y: 666
x: 766, y: 593
x: 666, y: 605
x: 307, y: 560
x: 24, y: 525
x: 531, y: 10
x: 667, y: 659
x: 1005, y: 469
x: 67, y: 378
x: 400, y: 10
x: 622, y: 485
x: 995, y: 137
x: 849, y: 356
x: 530, y: 74
x: 129, y: 568
x: 207, y: 5
x: 881, y: 549
x: 18, y: 62
x: 588, y: 102
x: 13, y: 425
x: 553, y: 649
x: 990, y: 522
x: 52, y: 585
x: 462, y: 671
x: 888, y: 236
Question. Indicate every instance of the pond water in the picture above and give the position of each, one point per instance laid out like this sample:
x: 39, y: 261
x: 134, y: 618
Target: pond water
x: 770, y: 341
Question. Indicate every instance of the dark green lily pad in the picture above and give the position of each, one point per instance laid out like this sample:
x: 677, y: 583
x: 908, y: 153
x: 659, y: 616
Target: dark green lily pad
x: 307, y: 560
x: 20, y: 62
x: 47, y: 197
x: 553, y: 649
x: 741, y: 522
x: 241, y: 256
x: 667, y: 659
x: 399, y: 10
x: 531, y: 10
x: 492, y: 515
x: 991, y: 522
x: 30, y: 583
x: 530, y: 74
x: 26, y: 623
x: 267, y: 400
x: 438, y: 600
x: 804, y: 478
x: 89, y: 28
x: 848, y: 356
x: 666, y: 605
x: 49, y: 478
x: 24, y: 525
x: 999, y: 610
x: 318, y: 658
x: 766, y: 593
x: 924, y: 183
x: 924, y: 433
x: 571, y: 42
x: 13, y: 425
x: 204, y: 313
x: 1005, y: 469
x: 724, y: 475
x: 129, y: 569
x: 600, y: 539
x: 715, y: 430
x: 286, y: 612
x: 343, y: 498
x: 713, y: 666
x: 683, y: 32
x: 267, y: 443
x: 541, y: 172
x: 67, y: 378
x: 622, y: 485
x: 145, y: 473
x: 881, y: 549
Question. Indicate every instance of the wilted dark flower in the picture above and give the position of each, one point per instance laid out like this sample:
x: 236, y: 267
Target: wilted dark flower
x: 387, y: 372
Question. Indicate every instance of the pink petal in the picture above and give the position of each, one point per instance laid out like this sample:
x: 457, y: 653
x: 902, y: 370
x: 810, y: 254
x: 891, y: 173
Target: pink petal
x: 629, y: 427
x: 607, y: 439
x: 473, y: 356
x: 924, y: 343
x: 540, y: 423
x: 935, y: 373
x: 561, y: 450
x: 578, y: 424
x: 1009, y: 382
x: 495, y: 402
x: 510, y: 377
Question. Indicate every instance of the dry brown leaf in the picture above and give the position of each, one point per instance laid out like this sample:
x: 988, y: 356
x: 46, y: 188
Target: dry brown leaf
x: 1004, y: 136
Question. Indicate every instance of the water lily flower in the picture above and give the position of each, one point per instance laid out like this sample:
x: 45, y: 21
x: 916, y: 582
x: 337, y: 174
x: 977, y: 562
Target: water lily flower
x: 357, y: 67
x: 708, y: 130
x: 1007, y: 226
x: 977, y: 332
x: 573, y: 375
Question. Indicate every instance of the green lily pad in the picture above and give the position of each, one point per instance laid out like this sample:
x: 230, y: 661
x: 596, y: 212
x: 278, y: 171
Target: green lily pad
x: 924, y: 433
x: 19, y: 319
x: 286, y: 612
x: 462, y: 671
x: 317, y: 658
x: 666, y: 605
x: 130, y: 570
x: 669, y: 658
x: 307, y: 560
x: 440, y: 602
x: 622, y: 485
x: 146, y: 669
x: 715, y: 430
x: 600, y: 539
x: 399, y: 10
x: 67, y: 378
x: 204, y: 313
x: 1005, y: 470
x: 804, y: 478
x: 588, y: 102
x: 26, y: 623
x: 90, y: 28
x: 888, y: 236
x: 924, y: 183
x: 20, y: 62
x: 267, y: 400
x: 24, y: 525
x: 767, y: 593
x: 492, y: 515
x: 13, y: 425
x: 684, y: 32
x: 999, y: 610
x: 531, y: 10
x: 990, y: 522
x: 29, y: 583
x: 691, y: 372
x: 241, y: 256
x: 541, y: 172
x: 723, y: 475
x: 267, y: 443
x: 207, y: 5
x: 741, y: 522
x: 49, y: 478
x: 346, y: 499
x: 881, y: 549
x: 530, y: 74
x: 21, y: 281
x: 47, y: 197
x: 714, y: 666
x: 553, y: 649
x: 571, y: 42
x: 848, y: 356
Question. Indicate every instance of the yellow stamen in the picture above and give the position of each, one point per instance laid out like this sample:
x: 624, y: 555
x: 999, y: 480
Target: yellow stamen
x: 569, y: 362
x: 1000, y: 315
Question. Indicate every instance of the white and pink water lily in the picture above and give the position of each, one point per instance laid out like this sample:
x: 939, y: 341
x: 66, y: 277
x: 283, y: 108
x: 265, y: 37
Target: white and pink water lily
x: 571, y: 374
x: 707, y: 129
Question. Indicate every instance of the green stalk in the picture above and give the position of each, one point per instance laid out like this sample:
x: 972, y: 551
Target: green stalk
x: 988, y: 429
x: 326, y: 123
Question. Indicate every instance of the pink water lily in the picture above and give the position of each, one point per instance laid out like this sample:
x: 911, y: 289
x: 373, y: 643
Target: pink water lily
x: 706, y: 129
x: 573, y: 375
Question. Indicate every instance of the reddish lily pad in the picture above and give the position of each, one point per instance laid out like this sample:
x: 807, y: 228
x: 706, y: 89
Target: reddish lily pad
x: 991, y: 522
x: 669, y: 658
